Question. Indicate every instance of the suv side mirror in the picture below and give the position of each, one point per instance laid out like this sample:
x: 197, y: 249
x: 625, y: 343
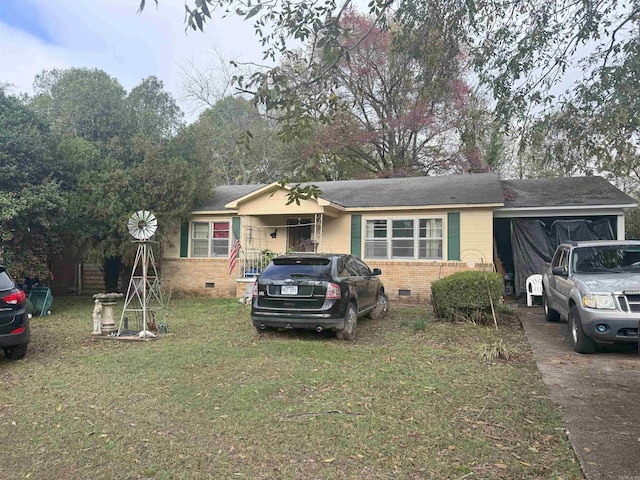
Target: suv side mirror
x: 377, y: 271
x: 559, y: 271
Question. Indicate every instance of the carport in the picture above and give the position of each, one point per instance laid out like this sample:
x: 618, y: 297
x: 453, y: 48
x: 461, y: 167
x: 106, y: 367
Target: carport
x: 540, y: 213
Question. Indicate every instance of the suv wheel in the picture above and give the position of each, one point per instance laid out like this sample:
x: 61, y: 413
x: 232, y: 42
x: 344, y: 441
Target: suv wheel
x: 550, y: 315
x: 579, y: 340
x: 381, y: 308
x: 348, y: 333
x: 15, y: 353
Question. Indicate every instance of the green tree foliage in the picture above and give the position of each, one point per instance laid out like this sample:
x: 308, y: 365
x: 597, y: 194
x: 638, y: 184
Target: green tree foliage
x: 31, y: 200
x: 154, y: 112
x: 86, y: 103
x: 122, y: 157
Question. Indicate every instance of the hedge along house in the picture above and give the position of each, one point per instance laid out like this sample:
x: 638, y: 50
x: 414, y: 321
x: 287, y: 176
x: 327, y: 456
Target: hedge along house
x: 415, y: 229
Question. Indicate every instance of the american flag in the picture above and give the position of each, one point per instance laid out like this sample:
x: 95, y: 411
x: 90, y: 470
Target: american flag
x: 233, y: 257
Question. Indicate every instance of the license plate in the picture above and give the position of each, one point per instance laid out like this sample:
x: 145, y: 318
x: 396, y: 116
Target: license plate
x: 289, y: 290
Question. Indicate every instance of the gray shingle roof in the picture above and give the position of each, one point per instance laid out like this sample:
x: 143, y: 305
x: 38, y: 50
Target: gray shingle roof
x: 562, y: 192
x: 465, y: 189
x: 474, y: 189
x: 225, y: 194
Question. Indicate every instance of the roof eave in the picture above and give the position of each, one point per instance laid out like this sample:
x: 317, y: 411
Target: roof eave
x: 451, y: 206
x: 507, y: 212
x: 260, y: 191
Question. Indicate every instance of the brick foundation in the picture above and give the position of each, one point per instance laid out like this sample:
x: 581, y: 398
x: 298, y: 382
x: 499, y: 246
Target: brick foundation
x: 403, y: 281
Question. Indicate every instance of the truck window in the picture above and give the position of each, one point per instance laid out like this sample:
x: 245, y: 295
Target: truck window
x: 560, y: 258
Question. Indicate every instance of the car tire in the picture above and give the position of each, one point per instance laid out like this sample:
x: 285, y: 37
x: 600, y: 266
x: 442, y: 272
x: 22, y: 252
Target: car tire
x: 348, y: 333
x: 550, y: 315
x: 382, y: 306
x: 580, y: 342
x: 16, y: 353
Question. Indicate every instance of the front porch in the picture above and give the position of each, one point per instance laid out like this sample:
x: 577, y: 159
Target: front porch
x: 265, y: 237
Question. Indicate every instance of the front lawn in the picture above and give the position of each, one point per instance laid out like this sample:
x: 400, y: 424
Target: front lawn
x: 215, y: 400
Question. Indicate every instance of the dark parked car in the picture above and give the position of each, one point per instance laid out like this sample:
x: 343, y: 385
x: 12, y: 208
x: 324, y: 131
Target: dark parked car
x: 14, y: 321
x: 319, y: 292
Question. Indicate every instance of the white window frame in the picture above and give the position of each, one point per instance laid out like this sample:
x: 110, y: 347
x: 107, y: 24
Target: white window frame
x: 431, y: 239
x: 416, y: 239
x: 211, y: 242
x: 376, y: 240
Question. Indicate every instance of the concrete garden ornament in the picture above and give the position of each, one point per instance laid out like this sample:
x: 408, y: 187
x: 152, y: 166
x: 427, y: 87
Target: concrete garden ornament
x: 97, y: 318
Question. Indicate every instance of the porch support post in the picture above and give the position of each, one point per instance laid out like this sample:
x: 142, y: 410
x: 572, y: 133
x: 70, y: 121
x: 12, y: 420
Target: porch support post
x: 620, y: 223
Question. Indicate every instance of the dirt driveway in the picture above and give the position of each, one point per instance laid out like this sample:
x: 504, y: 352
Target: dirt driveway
x: 599, y: 396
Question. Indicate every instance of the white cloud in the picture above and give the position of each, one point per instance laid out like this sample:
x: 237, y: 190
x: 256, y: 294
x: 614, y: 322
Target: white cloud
x: 109, y: 35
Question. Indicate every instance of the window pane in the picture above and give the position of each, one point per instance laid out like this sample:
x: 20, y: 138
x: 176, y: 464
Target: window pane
x: 220, y: 242
x: 431, y: 228
x: 199, y: 248
x: 431, y: 249
x: 402, y: 244
x: 375, y: 248
x: 220, y: 247
x: 402, y: 229
x: 430, y: 238
x: 221, y: 230
x: 375, y: 244
x: 200, y: 230
x: 376, y: 229
x: 402, y: 248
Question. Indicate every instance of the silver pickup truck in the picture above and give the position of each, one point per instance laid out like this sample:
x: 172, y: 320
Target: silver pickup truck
x: 595, y: 285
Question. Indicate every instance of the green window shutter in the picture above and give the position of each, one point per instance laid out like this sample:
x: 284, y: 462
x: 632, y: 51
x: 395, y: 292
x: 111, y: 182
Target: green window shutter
x: 235, y: 226
x: 356, y: 235
x: 184, y: 239
x: 453, y: 236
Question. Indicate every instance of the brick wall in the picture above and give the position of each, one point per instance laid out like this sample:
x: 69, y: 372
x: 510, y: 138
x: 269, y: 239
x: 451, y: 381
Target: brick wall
x: 204, y: 276
x: 414, y: 278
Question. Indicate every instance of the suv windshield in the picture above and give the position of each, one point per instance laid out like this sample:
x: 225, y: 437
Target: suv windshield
x: 606, y: 258
x: 283, y: 268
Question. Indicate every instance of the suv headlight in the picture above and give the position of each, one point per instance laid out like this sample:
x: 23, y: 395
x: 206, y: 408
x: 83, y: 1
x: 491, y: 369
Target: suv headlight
x: 599, y: 301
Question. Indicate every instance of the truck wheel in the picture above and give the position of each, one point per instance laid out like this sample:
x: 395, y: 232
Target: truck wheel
x: 579, y: 340
x: 550, y: 315
x: 348, y: 333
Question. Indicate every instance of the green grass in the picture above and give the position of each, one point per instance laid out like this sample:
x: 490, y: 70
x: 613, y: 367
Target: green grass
x: 216, y: 400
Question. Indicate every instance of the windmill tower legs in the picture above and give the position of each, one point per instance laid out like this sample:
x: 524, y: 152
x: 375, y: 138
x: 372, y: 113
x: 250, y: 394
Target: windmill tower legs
x: 143, y: 302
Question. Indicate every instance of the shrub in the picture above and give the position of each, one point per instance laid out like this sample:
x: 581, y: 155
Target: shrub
x: 465, y: 296
x: 420, y: 324
x: 498, y: 351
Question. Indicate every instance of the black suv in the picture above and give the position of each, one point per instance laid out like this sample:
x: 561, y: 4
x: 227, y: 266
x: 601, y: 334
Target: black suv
x: 14, y: 321
x: 319, y: 292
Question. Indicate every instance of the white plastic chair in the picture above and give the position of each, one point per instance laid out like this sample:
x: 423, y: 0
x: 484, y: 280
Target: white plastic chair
x: 534, y: 288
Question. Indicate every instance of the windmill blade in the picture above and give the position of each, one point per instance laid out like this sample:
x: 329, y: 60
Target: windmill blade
x: 142, y: 225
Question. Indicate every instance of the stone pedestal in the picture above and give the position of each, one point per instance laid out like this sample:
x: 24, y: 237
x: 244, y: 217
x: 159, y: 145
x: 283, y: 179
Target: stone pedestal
x: 107, y: 321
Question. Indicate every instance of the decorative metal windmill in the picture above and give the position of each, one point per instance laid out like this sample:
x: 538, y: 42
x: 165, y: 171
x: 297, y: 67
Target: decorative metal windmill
x: 144, y: 295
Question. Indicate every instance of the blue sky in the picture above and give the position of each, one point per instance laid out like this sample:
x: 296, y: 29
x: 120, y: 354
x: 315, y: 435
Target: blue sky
x: 26, y: 17
x: 37, y: 35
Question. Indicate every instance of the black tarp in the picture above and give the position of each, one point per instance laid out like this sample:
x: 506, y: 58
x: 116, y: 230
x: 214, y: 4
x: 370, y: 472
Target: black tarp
x: 534, y: 242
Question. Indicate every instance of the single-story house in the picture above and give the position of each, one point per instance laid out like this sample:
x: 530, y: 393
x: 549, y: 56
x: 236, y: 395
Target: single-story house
x: 416, y: 229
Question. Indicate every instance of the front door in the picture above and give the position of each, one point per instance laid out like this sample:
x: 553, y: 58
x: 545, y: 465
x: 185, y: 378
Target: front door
x: 299, y: 235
